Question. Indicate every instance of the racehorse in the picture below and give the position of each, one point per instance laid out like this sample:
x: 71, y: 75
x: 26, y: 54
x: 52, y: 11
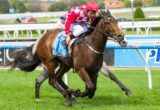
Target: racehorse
x: 86, y: 58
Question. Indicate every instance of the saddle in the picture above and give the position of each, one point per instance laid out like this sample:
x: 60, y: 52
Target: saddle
x: 77, y: 40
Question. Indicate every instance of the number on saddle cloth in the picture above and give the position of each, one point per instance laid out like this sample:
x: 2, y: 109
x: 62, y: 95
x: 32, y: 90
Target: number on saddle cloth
x: 59, y: 47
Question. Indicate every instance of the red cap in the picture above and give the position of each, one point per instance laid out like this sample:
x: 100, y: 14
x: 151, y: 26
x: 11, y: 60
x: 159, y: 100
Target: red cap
x: 93, y: 6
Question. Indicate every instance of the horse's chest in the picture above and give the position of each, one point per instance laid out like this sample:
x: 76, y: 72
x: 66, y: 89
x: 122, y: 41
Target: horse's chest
x: 87, y: 59
x: 93, y: 62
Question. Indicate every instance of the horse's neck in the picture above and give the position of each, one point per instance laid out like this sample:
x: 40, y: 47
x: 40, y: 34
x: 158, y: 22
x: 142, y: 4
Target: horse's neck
x: 97, y: 38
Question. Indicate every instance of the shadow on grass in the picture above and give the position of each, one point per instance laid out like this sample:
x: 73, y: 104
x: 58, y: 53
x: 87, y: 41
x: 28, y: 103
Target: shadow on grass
x: 115, y: 100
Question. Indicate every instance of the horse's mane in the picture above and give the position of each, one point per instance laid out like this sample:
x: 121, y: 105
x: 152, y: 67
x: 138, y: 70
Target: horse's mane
x: 93, y: 24
x: 96, y: 20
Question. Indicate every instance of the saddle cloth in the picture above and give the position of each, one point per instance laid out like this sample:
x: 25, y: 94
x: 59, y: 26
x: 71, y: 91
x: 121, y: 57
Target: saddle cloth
x: 59, y: 47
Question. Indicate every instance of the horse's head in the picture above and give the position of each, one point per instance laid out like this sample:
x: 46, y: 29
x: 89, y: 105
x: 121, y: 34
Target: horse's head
x: 111, y: 29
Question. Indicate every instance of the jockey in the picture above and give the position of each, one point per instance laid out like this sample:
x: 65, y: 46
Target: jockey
x: 78, y: 19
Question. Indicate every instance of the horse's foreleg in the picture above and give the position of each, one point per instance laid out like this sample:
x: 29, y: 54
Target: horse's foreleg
x: 93, y: 77
x: 90, y: 95
x: 39, y: 80
x: 90, y: 86
x: 109, y: 74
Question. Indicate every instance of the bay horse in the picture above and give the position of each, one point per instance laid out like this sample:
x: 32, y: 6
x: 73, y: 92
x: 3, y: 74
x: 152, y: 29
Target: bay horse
x: 87, y: 57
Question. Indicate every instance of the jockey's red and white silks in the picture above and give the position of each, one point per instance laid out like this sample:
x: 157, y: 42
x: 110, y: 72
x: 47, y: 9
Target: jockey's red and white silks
x: 76, y: 16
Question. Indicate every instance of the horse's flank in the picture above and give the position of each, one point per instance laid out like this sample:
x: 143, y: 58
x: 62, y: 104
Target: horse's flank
x: 45, y: 43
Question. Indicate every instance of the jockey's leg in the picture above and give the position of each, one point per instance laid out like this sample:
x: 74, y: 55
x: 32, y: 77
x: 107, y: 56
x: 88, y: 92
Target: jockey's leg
x: 76, y: 30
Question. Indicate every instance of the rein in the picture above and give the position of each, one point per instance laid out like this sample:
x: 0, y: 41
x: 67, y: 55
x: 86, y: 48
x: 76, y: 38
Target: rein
x: 92, y: 27
x: 104, y: 35
x: 109, y: 38
x: 90, y: 47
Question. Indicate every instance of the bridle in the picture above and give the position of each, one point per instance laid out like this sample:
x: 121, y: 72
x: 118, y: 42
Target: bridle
x: 108, y: 36
x: 114, y: 38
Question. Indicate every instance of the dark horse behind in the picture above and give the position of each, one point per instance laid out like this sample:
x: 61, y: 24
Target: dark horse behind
x: 86, y: 58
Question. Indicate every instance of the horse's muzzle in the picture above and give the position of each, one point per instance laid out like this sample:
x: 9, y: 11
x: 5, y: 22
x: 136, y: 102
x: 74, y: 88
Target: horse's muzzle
x: 123, y: 43
x: 120, y: 38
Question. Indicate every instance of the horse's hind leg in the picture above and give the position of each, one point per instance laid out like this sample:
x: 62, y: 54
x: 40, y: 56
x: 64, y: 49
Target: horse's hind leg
x: 39, y: 80
x: 51, y: 66
x: 59, y: 75
x: 109, y: 74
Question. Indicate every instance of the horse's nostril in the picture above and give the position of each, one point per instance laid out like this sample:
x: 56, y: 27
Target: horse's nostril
x: 119, y: 35
x: 120, y: 38
x: 123, y: 43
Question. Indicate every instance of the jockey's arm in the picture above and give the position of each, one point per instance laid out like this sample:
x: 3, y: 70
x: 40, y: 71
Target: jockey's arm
x: 71, y: 18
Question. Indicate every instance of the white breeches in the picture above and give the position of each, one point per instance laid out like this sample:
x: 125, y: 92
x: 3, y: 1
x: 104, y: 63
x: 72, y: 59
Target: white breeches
x: 78, y: 29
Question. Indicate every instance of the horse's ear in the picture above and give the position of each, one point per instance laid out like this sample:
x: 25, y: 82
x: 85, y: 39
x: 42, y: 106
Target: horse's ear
x: 108, y: 12
x: 101, y: 13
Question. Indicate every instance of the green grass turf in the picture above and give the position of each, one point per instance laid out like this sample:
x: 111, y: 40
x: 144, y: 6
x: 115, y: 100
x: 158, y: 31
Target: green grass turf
x: 17, y: 92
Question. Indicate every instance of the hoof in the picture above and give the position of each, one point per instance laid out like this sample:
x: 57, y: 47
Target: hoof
x: 68, y: 102
x: 77, y: 93
x: 128, y: 93
x: 37, y: 100
x: 90, y: 96
x: 73, y: 99
x: 74, y: 92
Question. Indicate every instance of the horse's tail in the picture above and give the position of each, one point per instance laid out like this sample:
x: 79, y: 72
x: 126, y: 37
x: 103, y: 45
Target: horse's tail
x: 25, y: 60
